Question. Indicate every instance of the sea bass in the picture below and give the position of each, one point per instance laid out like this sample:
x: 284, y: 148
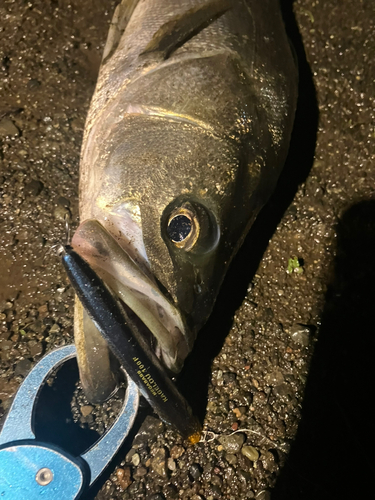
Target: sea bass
x: 186, y: 135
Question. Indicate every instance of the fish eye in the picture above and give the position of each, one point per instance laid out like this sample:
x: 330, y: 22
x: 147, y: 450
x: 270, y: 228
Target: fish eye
x: 183, y: 228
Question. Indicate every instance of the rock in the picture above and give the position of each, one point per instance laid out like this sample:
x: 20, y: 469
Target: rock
x: 216, y: 480
x: 33, y: 188
x: 300, y: 334
x: 130, y: 454
x: 268, y: 461
x: 61, y: 213
x: 86, y: 410
x: 55, y: 328
x: 159, y: 462
x: 250, y: 452
x: 233, y: 443
x: 8, y: 128
x: 274, y: 378
x: 36, y: 349
x: 140, y: 472
x: 43, y: 309
x: 171, y: 492
x: 215, y: 491
x: 177, y: 451
x: 244, y: 475
x: 229, y: 378
x: 124, y: 477
x: 136, y: 459
x: 136, y: 489
x: 33, y: 84
x: 171, y: 464
x: 284, y: 391
x: 231, y: 459
x: 23, y: 367
x: 195, y: 471
x: 148, y: 432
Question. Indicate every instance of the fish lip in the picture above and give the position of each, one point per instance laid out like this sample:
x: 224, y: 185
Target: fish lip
x: 136, y: 289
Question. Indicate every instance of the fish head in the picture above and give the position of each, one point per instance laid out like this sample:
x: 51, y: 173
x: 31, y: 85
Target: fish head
x: 169, y: 209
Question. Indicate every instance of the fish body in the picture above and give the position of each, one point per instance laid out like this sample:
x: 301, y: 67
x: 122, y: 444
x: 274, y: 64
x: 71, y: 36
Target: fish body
x: 186, y: 135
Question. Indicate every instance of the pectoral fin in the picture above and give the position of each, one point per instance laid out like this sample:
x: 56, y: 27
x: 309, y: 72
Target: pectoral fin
x: 97, y: 365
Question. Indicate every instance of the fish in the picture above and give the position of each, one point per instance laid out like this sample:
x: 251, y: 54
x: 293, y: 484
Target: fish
x: 186, y: 135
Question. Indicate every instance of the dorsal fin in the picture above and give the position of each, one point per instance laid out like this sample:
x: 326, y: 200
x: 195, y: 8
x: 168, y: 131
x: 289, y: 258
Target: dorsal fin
x: 178, y: 30
x: 120, y: 20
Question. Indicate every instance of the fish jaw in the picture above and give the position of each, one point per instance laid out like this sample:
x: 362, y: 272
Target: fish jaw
x: 137, y: 291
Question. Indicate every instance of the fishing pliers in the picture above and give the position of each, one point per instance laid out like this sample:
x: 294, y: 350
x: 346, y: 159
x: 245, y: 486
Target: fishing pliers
x: 31, y: 469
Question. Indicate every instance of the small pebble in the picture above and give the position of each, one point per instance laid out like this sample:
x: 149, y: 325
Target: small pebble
x: 55, y: 328
x: 140, y: 472
x: 195, y: 471
x: 36, y: 349
x: 274, y: 378
x: 244, y: 475
x: 136, y: 459
x: 233, y: 443
x: 130, y: 454
x: 86, y: 410
x: 148, y: 432
x: 177, y: 451
x: 124, y: 477
x: 171, y: 464
x: 159, y: 462
x: 231, y: 459
x: 250, y: 452
x: 23, y: 367
x: 61, y: 213
x: 300, y: 334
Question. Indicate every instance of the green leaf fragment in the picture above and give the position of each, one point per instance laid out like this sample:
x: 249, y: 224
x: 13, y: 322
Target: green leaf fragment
x: 294, y: 266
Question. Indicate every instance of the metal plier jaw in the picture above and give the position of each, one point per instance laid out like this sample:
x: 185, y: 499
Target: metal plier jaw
x: 30, y: 469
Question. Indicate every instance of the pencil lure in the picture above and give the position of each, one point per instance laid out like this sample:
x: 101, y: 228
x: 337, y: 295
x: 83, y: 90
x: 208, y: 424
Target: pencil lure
x: 119, y: 329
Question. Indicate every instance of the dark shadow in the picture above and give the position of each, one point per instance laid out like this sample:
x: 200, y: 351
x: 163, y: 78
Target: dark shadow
x: 333, y: 454
x: 197, y: 371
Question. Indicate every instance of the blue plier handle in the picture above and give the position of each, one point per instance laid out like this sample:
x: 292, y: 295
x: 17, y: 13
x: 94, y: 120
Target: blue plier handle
x: 33, y: 470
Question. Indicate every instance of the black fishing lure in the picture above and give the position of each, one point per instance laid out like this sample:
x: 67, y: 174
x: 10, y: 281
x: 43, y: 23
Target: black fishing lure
x: 138, y: 360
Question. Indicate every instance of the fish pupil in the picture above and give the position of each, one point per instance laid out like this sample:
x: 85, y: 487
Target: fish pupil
x: 179, y: 228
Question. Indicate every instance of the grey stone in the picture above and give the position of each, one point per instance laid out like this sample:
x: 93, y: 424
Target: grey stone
x: 23, y: 367
x: 148, y: 432
x: 159, y: 462
x: 232, y: 444
x: 300, y: 334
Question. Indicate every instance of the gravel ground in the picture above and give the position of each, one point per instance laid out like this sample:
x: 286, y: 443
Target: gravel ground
x: 282, y: 373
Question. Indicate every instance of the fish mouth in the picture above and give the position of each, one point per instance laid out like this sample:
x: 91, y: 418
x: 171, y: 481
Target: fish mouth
x: 133, y: 284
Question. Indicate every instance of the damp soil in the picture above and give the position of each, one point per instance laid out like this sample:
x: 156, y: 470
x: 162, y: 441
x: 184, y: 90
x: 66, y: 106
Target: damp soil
x: 282, y: 374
